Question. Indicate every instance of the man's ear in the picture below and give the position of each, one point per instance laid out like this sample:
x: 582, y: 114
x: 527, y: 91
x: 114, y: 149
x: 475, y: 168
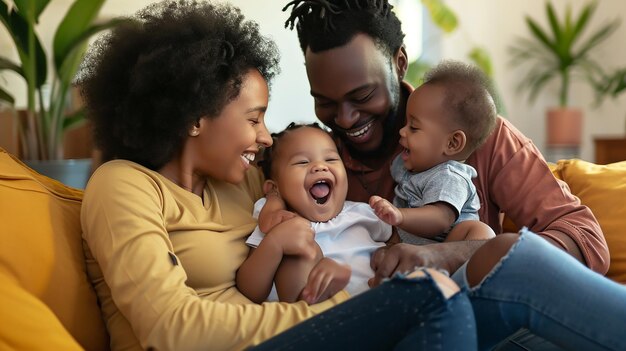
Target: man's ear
x: 270, y: 187
x: 401, y: 61
x: 455, y: 143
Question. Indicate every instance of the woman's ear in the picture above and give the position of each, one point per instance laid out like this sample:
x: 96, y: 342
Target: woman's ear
x: 456, y: 142
x: 195, y: 130
x: 270, y: 187
x: 401, y: 62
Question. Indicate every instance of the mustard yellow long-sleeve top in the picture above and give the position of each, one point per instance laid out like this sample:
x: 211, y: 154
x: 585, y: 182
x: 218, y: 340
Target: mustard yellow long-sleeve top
x: 163, y: 262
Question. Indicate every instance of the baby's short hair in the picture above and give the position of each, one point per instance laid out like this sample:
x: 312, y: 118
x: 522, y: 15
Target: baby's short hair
x: 269, y: 153
x: 469, y: 99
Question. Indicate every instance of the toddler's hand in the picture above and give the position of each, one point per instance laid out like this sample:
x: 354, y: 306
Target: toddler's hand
x: 387, y: 212
x: 326, y: 279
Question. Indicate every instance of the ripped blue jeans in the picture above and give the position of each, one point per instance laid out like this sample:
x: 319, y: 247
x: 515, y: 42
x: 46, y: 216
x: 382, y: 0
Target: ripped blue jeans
x: 541, y: 288
x: 400, y: 314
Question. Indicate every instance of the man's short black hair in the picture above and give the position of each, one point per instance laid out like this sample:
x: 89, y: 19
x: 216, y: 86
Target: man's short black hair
x: 327, y: 24
x: 469, y: 98
x: 152, y: 78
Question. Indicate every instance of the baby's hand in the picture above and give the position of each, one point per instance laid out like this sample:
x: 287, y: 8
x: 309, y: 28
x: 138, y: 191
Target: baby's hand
x: 273, y: 219
x: 326, y: 279
x: 387, y: 212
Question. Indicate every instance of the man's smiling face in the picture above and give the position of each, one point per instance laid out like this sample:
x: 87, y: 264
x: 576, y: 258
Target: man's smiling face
x: 356, y: 91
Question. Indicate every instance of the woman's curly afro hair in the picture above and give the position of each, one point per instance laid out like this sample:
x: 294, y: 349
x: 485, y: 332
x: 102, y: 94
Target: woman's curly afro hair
x: 149, y: 80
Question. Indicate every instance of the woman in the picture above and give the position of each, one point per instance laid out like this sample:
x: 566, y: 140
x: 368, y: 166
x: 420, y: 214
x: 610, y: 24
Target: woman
x: 178, y: 100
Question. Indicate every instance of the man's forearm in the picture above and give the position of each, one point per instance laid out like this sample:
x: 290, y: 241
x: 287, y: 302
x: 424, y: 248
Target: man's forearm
x: 458, y: 252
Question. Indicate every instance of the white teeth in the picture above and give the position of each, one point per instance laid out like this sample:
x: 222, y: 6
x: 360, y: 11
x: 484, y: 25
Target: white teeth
x: 361, y: 131
x: 248, y: 157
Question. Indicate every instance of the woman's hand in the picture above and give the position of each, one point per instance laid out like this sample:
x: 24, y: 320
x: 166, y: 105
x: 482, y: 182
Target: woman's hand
x: 387, y: 212
x: 326, y: 279
x: 294, y: 237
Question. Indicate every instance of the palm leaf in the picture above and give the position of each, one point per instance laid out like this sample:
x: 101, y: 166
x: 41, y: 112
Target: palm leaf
x: 537, y: 82
x: 598, y: 37
x: 541, y: 35
x: 554, y: 24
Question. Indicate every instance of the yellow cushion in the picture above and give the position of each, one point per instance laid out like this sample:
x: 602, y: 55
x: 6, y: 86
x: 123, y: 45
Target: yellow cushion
x: 42, y: 250
x: 26, y: 323
x: 603, y: 189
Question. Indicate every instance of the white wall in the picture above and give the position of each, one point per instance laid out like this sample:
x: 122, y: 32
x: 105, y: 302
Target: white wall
x: 495, y: 25
x: 492, y: 24
x: 290, y: 99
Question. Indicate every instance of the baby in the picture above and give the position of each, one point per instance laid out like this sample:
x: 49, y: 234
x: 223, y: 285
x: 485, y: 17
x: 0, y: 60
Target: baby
x: 448, y: 117
x: 306, y: 176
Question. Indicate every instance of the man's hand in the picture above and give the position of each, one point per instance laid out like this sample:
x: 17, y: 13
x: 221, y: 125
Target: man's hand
x: 326, y: 279
x: 386, y: 211
x: 402, y: 258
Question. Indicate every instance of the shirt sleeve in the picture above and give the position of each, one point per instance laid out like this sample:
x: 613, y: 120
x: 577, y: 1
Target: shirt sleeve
x: 124, y: 228
x: 516, y: 180
x: 447, y: 186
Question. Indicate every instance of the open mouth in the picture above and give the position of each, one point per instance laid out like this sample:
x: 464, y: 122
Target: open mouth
x: 248, y: 157
x: 360, y: 132
x: 320, y: 191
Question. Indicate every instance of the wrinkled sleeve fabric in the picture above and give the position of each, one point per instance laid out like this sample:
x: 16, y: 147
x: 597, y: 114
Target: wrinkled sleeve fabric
x: 514, y: 178
x: 125, y: 230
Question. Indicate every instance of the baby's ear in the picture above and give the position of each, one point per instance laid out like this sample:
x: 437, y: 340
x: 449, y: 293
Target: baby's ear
x: 269, y: 187
x: 456, y: 142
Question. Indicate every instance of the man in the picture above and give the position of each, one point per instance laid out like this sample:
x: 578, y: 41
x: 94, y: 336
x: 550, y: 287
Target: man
x: 355, y: 62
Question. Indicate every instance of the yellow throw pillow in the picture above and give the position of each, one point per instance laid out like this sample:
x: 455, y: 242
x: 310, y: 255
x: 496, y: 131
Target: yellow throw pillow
x: 42, y: 251
x: 603, y: 189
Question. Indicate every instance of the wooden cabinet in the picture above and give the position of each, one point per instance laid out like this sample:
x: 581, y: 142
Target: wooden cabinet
x: 610, y: 149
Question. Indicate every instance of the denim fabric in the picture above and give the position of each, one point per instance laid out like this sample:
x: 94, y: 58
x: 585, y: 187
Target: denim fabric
x: 541, y: 288
x: 400, y: 314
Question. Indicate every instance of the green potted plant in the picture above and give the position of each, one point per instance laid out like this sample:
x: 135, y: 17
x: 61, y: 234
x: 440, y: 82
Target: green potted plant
x: 561, y: 52
x: 41, y: 129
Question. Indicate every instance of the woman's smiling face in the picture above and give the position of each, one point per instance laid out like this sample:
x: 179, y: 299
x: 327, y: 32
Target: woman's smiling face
x: 309, y: 174
x: 226, y: 144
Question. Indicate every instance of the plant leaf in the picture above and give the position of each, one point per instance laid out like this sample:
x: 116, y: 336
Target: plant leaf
x: 582, y: 21
x: 554, y: 23
x: 540, y: 34
x: 18, y: 27
x: 5, y: 96
x: 76, y: 21
x: 75, y: 119
x: 32, y: 8
x: 72, y: 59
x: 597, y: 38
x: 537, y: 82
x: 415, y: 72
x: 481, y: 58
x: 10, y: 65
x: 441, y: 15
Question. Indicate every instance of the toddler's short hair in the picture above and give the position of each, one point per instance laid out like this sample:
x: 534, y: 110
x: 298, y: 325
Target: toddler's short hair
x: 468, y: 99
